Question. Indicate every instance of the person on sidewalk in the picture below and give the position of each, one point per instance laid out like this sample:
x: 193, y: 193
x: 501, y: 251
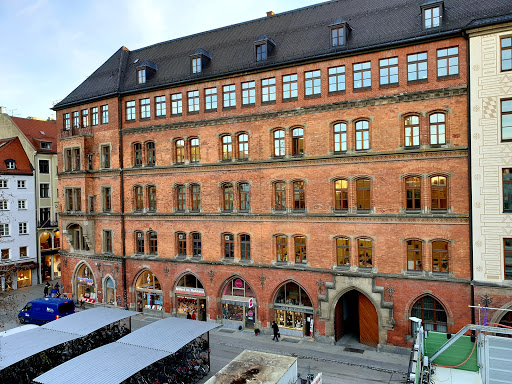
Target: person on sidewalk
x: 194, y: 317
x: 46, y: 287
x: 189, y: 316
x: 57, y: 287
x: 275, y: 328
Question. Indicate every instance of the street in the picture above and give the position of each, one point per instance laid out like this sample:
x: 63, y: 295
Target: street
x: 338, y: 365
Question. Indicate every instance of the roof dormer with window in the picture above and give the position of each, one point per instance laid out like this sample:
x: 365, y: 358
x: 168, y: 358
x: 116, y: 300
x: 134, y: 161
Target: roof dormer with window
x: 10, y: 164
x: 199, y: 60
x: 432, y: 14
x: 264, y: 46
x: 339, y: 31
x: 145, y: 71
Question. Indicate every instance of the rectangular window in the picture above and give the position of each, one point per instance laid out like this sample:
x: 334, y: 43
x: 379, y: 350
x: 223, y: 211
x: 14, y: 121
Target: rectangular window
x: 181, y: 198
x: 282, y: 248
x: 104, y: 114
x: 3, y: 183
x: 365, y: 253
x: 312, y: 83
x: 300, y: 250
x: 176, y: 104
x: 130, y: 110
x: 67, y: 122
x: 248, y: 93
x: 107, y: 199
x: 290, y: 87
x: 417, y: 67
x: 448, y: 62
x: 76, y: 159
x: 210, y: 99
x: 337, y: 79
x: 506, y: 119
x: 506, y: 53
x: 3, y: 205
x: 508, y: 258
x: 139, y: 239
x: 153, y: 243
x: 21, y: 184
x: 152, y: 198
x: 145, y: 108
x: 196, y: 198
x: 244, y: 197
x: 268, y: 90
x: 160, y: 106
x: 67, y: 160
x: 229, y: 95
x: 412, y: 131
x: 4, y: 230
x: 507, y: 190
x: 105, y: 156
x: 44, y: 166
x: 22, y: 204
x: 193, y: 101
x: 76, y: 119
x: 91, y: 203
x: 44, y: 190
x: 107, y: 241
x: 245, y: 247
x: 388, y: 71
x: 362, y: 75
x: 23, y: 228
x: 23, y: 252
x: 195, y: 155
x: 343, y: 251
x: 299, y: 199
x: 46, y: 145
x: 229, y: 246
x: 141, y: 76
x: 77, y: 192
x: 68, y: 193
x: 337, y: 36
x: 363, y: 194
x: 261, y: 52
x: 196, y: 65
x: 182, y: 244
x: 5, y: 252
x: 432, y: 17
x: 85, y: 118
x: 95, y: 118
x: 196, y: 245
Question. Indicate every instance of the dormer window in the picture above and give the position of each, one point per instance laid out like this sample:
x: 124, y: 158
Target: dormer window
x: 46, y: 145
x: 145, y: 71
x: 339, y: 32
x: 10, y: 163
x: 200, y: 60
x: 141, y: 76
x: 264, y: 46
x: 432, y: 12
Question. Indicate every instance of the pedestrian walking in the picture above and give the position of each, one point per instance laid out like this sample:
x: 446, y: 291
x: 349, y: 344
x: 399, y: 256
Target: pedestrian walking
x: 275, y: 328
x: 189, y: 316
x: 54, y: 291
x: 57, y: 287
x: 46, y: 287
x: 194, y: 317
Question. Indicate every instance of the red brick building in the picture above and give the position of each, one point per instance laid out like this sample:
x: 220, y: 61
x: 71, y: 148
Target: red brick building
x: 316, y: 175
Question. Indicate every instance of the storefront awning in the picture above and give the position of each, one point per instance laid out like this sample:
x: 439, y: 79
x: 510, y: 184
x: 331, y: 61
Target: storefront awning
x: 239, y: 300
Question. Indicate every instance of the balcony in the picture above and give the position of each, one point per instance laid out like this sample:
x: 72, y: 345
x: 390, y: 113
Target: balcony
x: 47, y: 224
x: 76, y: 131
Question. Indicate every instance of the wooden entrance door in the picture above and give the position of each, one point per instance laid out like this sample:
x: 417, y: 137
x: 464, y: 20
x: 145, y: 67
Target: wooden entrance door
x: 368, y: 322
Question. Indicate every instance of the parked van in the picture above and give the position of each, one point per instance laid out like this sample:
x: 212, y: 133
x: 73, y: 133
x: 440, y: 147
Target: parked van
x: 41, y: 311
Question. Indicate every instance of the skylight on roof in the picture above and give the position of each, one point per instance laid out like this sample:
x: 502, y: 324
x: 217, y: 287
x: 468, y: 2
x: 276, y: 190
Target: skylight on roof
x: 136, y: 61
x: 42, y: 133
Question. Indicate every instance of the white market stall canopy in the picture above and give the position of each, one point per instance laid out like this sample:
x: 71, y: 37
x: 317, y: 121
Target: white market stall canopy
x: 19, y: 346
x: 115, y: 362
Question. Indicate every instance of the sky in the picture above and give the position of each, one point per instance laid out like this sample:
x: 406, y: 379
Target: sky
x: 49, y: 47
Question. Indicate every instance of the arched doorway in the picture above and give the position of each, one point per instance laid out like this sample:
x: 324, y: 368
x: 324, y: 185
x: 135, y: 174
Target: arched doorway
x: 190, y: 297
x: 355, y: 319
x: 149, y: 292
x: 293, y: 310
x: 238, y: 304
x: 85, y: 284
x: 109, y: 291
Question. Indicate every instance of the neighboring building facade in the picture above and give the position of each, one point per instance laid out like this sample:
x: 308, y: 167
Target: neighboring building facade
x: 39, y: 140
x: 491, y: 164
x: 18, y: 261
x: 316, y: 176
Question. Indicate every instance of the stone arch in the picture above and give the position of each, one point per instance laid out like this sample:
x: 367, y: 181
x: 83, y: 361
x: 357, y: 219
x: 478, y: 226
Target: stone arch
x: 150, y: 295
x: 80, y: 289
x: 498, y: 315
x: 109, y: 297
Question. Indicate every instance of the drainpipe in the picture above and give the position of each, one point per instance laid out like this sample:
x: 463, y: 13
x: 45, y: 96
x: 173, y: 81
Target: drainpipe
x: 121, y: 176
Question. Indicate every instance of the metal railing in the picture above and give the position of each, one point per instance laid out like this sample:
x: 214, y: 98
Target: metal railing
x: 76, y: 131
x: 47, y: 224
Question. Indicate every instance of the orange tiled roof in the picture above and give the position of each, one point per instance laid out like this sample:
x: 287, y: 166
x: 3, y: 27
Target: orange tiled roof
x: 38, y: 130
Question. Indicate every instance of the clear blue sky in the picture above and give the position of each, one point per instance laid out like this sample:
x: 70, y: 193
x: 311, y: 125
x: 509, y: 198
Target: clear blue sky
x: 49, y: 47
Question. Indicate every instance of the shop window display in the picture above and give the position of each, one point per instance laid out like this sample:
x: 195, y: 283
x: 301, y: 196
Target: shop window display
x: 149, y: 292
x: 238, y: 303
x: 190, y: 298
x: 86, y: 287
x: 24, y: 278
x: 109, y: 296
x: 293, y: 309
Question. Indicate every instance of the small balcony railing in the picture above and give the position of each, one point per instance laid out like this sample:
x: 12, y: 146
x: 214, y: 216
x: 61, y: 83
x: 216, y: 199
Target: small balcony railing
x: 47, y: 224
x: 76, y: 131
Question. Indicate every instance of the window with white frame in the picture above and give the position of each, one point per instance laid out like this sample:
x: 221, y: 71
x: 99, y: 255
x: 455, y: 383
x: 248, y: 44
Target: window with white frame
x: 290, y: 87
x: 160, y: 106
x: 22, y: 204
x: 11, y: 164
x: 23, y: 252
x: 388, y: 71
x: 210, y: 99
x: 268, y: 90
x: 432, y: 17
x: 229, y: 96
x: 248, y: 93
x: 130, y: 110
x: 3, y: 183
x: 337, y: 79
x: 193, y: 101
x: 4, y: 230
x: 417, y: 67
x: 362, y: 75
x: 95, y: 118
x: 23, y: 228
x: 3, y: 205
x: 312, y: 83
x: 448, y: 62
x: 21, y: 184
x: 145, y: 108
x: 176, y: 104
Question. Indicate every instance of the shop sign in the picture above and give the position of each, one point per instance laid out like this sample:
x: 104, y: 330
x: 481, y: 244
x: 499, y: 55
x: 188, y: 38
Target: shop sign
x: 250, y: 314
x: 239, y: 283
x: 85, y: 280
x: 293, y: 309
x: 251, y: 302
x: 190, y: 291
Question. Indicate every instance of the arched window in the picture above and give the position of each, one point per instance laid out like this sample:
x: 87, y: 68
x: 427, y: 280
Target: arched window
x: 228, y: 245
x: 243, y: 146
x: 153, y: 243
x: 432, y: 314
x: 293, y: 308
x: 282, y: 248
x: 440, y: 256
x: 195, y: 155
x: 137, y: 154
x: 293, y: 294
x: 181, y: 198
x: 300, y: 249
x: 279, y: 196
x: 414, y: 255
x: 279, y: 147
x: 149, y: 291
x: 299, y: 196
x: 227, y: 147
x: 437, y: 128
x: 180, y: 151
x: 138, y: 198
x: 244, y: 197
x: 227, y: 190
x: 364, y: 250
x: 439, y: 193
x: 340, y: 137
x: 139, y: 242
x: 152, y: 197
x: 85, y: 282
x: 298, y: 142
x: 109, y: 296
x: 340, y: 195
x: 150, y: 153
x: 245, y: 247
x: 362, y: 135
x: 507, y: 319
x: 196, y: 197
x: 343, y: 251
x: 363, y: 194
x: 196, y: 245
x: 181, y: 241
x: 413, y: 193
x: 412, y: 131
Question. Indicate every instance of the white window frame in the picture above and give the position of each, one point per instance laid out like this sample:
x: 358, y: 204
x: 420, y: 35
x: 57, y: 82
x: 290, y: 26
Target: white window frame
x: 23, y: 228
x: 22, y: 184
x: 4, y: 229
x: 22, y: 204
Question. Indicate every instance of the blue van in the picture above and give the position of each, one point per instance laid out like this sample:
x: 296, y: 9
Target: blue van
x: 42, y: 311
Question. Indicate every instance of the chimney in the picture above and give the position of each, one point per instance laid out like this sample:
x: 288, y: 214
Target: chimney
x: 270, y: 13
x: 1, y: 111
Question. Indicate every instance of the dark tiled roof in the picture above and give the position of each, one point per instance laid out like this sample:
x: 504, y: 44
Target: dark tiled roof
x: 298, y: 35
x: 38, y: 130
x: 12, y: 149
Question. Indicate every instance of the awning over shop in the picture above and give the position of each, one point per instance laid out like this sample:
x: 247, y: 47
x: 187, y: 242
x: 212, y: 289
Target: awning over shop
x: 113, y: 363
x: 239, y: 300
